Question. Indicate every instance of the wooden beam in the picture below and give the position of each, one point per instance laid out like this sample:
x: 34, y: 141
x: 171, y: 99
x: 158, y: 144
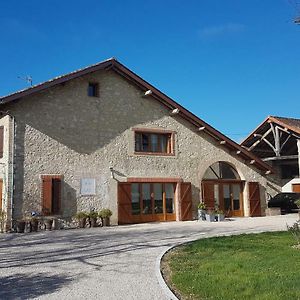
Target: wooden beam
x: 280, y: 157
x: 261, y: 138
x: 252, y: 161
x: 238, y: 152
x: 282, y: 145
x: 223, y: 142
x: 201, y: 128
x: 175, y: 111
x: 148, y: 93
x: 268, y: 172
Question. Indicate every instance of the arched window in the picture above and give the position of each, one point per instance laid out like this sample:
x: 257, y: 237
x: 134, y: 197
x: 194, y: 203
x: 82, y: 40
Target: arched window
x: 221, y: 170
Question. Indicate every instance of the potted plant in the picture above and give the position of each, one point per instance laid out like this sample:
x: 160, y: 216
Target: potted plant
x: 105, y: 215
x: 48, y: 224
x: 81, y: 218
x: 220, y: 215
x: 20, y: 226
x: 201, y: 211
x: 2, y: 220
x: 93, y: 218
x: 210, y: 215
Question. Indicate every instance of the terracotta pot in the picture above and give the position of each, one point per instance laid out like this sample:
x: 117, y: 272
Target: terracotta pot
x: 82, y: 222
x: 48, y: 224
x: 105, y: 221
x: 21, y: 226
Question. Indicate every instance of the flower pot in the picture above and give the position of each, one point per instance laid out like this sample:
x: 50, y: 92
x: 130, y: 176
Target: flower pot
x: 21, y: 226
x: 48, y: 224
x: 221, y: 217
x: 201, y: 214
x: 34, y: 225
x: 93, y: 222
x: 210, y: 217
x: 82, y: 222
x: 105, y: 222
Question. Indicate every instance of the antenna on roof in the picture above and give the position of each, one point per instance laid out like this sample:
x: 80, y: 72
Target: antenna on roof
x: 27, y: 78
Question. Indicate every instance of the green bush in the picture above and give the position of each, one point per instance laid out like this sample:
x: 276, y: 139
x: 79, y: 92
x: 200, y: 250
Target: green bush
x: 93, y: 215
x: 81, y: 215
x: 295, y: 231
x: 105, y: 213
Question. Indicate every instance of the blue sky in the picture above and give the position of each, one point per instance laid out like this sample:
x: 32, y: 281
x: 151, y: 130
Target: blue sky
x: 230, y: 62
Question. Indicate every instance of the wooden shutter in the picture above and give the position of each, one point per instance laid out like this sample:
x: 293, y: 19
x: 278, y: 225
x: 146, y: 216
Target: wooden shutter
x: 185, y: 201
x: 296, y: 188
x: 1, y: 140
x: 254, y: 199
x: 124, y: 203
x: 1, y: 184
x: 47, y: 195
x: 56, y: 195
x: 208, y: 195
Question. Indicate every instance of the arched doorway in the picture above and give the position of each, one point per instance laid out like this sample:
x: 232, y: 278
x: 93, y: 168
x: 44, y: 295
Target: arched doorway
x: 222, y: 188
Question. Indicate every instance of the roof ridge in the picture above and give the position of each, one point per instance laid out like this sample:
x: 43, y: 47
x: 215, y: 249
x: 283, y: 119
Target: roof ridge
x: 58, y: 77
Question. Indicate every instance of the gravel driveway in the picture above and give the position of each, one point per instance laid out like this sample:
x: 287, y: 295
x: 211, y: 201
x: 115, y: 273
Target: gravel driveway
x: 104, y: 263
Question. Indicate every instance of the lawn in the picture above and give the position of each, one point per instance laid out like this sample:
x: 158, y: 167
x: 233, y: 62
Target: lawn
x: 253, y: 266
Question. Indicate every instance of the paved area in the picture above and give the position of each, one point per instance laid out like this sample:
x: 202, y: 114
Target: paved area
x: 104, y: 263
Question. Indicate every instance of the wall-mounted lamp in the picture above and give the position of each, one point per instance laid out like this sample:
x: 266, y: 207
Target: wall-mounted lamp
x: 111, y: 172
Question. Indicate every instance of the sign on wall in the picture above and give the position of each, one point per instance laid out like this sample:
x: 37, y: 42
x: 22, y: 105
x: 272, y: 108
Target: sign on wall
x: 88, y: 186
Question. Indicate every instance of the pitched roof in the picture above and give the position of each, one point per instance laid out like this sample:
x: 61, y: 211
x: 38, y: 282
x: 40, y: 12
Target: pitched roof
x: 291, y: 124
x: 113, y: 64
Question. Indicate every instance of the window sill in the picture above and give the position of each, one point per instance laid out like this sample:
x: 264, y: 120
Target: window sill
x: 154, y: 153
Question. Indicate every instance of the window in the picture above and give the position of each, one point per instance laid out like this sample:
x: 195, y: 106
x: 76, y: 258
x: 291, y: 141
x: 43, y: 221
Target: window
x: 154, y: 142
x: 93, y: 89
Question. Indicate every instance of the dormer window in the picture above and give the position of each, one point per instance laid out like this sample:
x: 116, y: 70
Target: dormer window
x: 93, y: 89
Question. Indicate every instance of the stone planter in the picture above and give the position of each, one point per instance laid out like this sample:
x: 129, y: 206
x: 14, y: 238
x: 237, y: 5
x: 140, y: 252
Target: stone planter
x: 48, y: 224
x: 82, y: 222
x: 210, y: 217
x: 21, y: 226
x: 93, y: 222
x: 105, y: 221
x: 34, y: 224
x: 220, y: 217
x: 201, y: 214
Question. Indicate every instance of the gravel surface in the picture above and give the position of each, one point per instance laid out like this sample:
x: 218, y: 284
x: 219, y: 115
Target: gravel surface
x: 105, y: 263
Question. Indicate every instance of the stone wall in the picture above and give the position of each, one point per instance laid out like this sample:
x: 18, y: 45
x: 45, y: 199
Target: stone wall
x: 63, y: 131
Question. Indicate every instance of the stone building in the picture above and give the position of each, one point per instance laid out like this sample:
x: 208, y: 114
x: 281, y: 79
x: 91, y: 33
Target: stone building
x: 102, y: 137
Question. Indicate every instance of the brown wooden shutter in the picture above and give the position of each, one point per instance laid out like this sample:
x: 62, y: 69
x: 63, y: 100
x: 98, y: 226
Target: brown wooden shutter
x: 56, y: 195
x: 1, y: 140
x: 208, y: 194
x: 47, y: 195
x: 124, y: 203
x: 1, y: 184
x: 254, y: 199
x: 296, y: 188
x: 185, y: 201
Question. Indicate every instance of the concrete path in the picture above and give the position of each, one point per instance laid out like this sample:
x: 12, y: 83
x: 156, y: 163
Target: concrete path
x: 104, y: 263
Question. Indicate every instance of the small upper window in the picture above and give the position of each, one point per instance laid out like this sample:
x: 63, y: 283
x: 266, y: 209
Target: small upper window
x: 152, y: 142
x: 93, y: 89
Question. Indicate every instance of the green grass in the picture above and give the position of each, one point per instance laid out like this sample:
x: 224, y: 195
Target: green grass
x: 254, y: 266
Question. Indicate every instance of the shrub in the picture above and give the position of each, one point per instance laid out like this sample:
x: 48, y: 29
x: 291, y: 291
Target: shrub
x: 81, y: 215
x: 295, y: 231
x: 202, y: 205
x: 105, y: 213
x: 93, y: 215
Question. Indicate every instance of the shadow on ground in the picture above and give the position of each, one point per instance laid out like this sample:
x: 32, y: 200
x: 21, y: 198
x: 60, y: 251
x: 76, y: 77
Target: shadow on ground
x: 25, y: 286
